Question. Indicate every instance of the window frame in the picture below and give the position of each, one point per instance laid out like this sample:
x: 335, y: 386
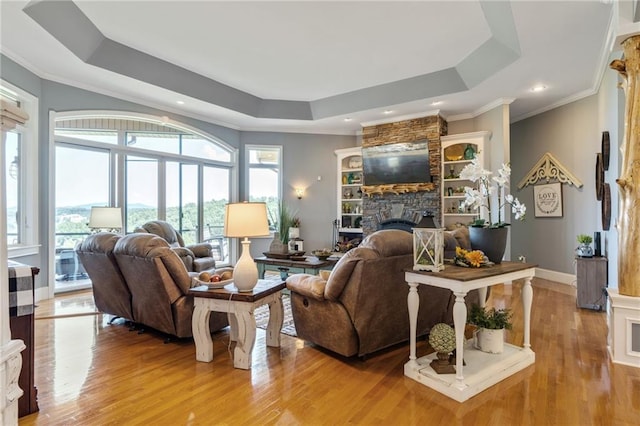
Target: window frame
x: 248, y: 166
x: 28, y: 223
x: 121, y: 150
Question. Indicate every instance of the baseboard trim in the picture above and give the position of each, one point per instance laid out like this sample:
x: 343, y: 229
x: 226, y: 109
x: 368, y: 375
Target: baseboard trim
x: 559, y: 277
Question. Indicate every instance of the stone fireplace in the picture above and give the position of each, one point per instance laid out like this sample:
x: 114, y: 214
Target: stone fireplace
x: 399, y: 210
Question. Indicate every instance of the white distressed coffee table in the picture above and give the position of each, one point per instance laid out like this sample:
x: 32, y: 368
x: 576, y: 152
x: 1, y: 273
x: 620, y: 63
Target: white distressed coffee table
x: 240, y: 307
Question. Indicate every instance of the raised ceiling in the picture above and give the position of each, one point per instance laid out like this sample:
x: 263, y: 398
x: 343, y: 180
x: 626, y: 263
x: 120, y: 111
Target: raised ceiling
x: 308, y: 66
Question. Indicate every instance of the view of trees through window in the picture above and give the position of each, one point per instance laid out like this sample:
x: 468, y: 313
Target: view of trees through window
x: 264, y: 178
x: 160, y: 180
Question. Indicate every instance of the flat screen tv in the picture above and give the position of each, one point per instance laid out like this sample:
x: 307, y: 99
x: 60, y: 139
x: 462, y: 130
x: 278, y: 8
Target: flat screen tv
x: 398, y: 163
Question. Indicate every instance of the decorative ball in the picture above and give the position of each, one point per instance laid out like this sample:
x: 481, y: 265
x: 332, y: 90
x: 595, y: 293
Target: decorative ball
x: 442, y: 338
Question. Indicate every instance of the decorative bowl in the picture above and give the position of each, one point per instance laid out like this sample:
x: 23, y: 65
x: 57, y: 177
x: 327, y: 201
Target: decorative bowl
x: 211, y: 285
x: 322, y: 254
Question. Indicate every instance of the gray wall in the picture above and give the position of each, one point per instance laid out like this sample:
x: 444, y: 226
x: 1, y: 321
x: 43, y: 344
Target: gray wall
x: 572, y: 133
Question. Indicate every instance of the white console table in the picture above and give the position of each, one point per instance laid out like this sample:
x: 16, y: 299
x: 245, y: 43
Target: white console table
x: 482, y: 370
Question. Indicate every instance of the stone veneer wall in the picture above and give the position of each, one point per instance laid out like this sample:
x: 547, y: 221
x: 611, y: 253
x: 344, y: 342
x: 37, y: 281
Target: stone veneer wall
x: 377, y: 206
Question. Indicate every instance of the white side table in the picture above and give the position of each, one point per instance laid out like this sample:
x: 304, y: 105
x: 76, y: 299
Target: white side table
x: 240, y: 307
x: 482, y: 370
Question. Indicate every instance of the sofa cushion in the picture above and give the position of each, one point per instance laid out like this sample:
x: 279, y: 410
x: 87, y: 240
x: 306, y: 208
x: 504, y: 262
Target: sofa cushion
x: 462, y: 237
x: 307, y: 285
x: 343, y: 269
x: 459, y: 237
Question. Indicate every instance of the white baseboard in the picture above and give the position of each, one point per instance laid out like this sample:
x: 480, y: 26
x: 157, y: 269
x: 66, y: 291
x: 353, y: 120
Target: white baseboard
x: 560, y: 277
x: 42, y: 293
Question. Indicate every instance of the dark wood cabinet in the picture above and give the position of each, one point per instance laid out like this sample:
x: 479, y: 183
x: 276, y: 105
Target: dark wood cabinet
x: 591, y: 280
x: 22, y: 327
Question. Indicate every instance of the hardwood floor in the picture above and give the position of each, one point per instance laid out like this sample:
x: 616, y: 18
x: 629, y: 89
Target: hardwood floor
x: 91, y: 373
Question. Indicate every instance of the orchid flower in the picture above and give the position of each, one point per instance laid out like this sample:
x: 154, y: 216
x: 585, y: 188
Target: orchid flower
x: 475, y: 198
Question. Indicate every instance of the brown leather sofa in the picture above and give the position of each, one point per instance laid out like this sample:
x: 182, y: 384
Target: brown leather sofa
x: 196, y: 257
x: 110, y: 291
x: 159, y: 282
x: 362, y: 307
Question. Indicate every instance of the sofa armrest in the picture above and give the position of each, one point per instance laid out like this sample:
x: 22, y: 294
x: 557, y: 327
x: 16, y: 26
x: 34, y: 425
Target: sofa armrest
x: 201, y: 249
x: 307, y: 285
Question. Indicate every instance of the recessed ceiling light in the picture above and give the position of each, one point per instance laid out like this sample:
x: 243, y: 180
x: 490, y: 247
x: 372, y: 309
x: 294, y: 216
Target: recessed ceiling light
x: 434, y: 103
x: 388, y: 111
x: 538, y: 88
x: 180, y: 102
x: 348, y: 119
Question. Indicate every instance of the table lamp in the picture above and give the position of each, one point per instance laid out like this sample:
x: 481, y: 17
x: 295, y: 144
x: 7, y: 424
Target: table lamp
x: 109, y: 218
x: 243, y: 220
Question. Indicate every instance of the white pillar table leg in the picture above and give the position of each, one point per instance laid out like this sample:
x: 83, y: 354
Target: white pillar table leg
x: 413, y: 304
x: 527, y: 298
x: 201, y: 332
x: 246, y: 336
x: 459, y: 321
x: 276, y: 319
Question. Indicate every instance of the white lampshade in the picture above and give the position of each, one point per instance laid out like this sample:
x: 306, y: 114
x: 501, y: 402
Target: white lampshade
x: 105, y: 218
x: 246, y: 220
x: 242, y: 220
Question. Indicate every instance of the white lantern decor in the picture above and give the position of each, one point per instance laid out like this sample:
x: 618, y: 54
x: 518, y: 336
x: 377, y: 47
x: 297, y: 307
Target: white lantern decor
x: 428, y: 246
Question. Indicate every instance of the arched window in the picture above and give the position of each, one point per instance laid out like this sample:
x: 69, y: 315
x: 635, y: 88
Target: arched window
x: 150, y: 167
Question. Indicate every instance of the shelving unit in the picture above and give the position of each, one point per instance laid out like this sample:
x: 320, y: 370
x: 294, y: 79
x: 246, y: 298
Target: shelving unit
x: 453, y: 161
x: 349, y: 193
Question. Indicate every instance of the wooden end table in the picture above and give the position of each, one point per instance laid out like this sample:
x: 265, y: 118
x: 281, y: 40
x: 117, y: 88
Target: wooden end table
x: 240, y: 306
x: 482, y: 370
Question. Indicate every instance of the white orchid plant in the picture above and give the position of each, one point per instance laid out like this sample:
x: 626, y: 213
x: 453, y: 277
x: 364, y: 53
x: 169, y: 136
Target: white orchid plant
x: 476, y: 198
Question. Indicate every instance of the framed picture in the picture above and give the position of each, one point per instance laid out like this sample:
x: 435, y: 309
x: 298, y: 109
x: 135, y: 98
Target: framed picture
x: 547, y: 200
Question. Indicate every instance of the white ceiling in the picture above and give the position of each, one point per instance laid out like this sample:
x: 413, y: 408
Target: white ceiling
x: 335, y: 60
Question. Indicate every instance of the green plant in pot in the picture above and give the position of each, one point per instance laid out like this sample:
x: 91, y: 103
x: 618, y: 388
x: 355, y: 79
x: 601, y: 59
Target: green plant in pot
x: 283, y: 221
x: 584, y: 248
x: 491, y: 323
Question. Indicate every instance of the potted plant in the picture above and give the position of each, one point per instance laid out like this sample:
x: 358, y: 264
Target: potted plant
x: 280, y: 243
x: 584, y: 248
x: 487, y: 236
x: 491, y: 323
x: 294, y: 229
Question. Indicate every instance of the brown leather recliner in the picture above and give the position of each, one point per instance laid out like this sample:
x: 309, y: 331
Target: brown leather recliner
x: 196, y: 257
x: 110, y: 291
x: 159, y: 282
x: 362, y: 307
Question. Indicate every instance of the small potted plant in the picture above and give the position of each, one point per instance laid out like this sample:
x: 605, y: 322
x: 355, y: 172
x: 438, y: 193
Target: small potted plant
x: 491, y: 323
x: 584, y: 248
x: 294, y: 229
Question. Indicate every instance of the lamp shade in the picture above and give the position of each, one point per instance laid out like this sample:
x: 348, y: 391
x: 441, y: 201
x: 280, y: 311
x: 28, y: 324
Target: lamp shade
x: 105, y: 217
x: 245, y: 220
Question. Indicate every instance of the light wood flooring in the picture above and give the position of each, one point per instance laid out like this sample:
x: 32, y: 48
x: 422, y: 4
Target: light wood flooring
x: 91, y: 373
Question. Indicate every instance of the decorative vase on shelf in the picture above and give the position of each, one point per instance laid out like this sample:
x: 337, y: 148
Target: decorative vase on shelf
x: 492, y: 241
x: 294, y: 233
x: 469, y: 152
x: 277, y: 246
x: 489, y: 340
